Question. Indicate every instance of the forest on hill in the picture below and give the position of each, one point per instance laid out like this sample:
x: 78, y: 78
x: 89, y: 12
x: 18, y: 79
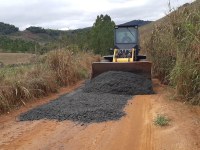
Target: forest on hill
x: 98, y: 38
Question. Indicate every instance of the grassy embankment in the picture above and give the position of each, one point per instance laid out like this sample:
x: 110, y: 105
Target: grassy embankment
x: 18, y: 85
x: 174, y: 48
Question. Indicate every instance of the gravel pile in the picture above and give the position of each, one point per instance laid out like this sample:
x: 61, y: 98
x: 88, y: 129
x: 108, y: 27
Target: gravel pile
x: 101, y: 99
x: 81, y: 107
x: 125, y: 83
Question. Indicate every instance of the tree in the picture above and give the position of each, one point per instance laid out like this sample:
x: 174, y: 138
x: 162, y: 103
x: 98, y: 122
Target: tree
x: 6, y: 29
x: 16, y: 45
x: 102, y: 35
x: 36, y: 29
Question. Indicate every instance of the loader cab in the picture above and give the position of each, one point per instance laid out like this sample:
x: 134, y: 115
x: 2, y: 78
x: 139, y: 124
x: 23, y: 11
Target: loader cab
x: 126, y: 37
x: 126, y: 45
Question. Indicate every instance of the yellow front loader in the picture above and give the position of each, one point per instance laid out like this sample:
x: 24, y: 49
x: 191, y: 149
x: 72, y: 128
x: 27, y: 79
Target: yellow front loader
x: 125, y: 54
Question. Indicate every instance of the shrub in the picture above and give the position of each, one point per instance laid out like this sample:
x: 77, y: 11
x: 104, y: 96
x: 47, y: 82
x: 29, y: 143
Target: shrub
x: 161, y: 120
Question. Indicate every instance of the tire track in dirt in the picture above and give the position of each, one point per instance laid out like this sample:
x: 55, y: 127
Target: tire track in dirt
x: 147, y: 134
x: 40, y: 137
x: 11, y: 133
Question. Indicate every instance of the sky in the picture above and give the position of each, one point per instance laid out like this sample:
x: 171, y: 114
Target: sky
x: 73, y: 14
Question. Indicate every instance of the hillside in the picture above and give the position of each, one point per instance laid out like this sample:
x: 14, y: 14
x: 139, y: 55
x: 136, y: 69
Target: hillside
x: 6, y: 29
x: 146, y: 30
x: 136, y: 22
x: 42, y: 35
x: 38, y: 39
x: 172, y: 44
x: 34, y: 37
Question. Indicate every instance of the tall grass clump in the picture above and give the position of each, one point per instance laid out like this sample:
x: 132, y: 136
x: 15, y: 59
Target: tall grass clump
x: 58, y: 68
x: 63, y: 64
x: 174, y: 48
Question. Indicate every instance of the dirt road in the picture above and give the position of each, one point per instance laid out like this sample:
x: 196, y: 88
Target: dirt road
x: 135, y: 131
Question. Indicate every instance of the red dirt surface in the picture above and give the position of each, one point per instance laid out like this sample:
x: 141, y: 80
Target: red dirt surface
x: 135, y: 131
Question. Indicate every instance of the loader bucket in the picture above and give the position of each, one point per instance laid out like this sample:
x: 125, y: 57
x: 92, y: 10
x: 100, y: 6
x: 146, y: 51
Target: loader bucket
x: 142, y: 68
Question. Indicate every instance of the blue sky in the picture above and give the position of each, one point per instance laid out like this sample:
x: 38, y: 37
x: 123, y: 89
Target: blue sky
x: 73, y: 14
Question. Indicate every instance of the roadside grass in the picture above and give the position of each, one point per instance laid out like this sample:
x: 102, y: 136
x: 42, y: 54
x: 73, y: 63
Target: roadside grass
x: 174, y: 49
x: 161, y: 120
x: 21, y: 84
x: 16, y: 58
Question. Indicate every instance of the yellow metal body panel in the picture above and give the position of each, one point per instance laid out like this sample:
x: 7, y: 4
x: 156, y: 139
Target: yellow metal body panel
x: 123, y: 60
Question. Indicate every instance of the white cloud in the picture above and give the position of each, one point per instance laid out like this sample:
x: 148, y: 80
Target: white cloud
x: 62, y: 14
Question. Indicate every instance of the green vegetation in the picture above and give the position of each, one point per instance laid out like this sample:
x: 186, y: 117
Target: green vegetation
x: 102, y: 35
x: 17, y: 45
x: 99, y: 38
x: 50, y: 32
x: 7, y: 29
x: 174, y: 48
x: 21, y: 84
x: 76, y: 39
x: 53, y: 33
x: 36, y: 29
x: 161, y: 120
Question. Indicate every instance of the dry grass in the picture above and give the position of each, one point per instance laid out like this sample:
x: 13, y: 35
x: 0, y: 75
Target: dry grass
x: 174, y: 48
x: 16, y: 58
x: 21, y: 84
